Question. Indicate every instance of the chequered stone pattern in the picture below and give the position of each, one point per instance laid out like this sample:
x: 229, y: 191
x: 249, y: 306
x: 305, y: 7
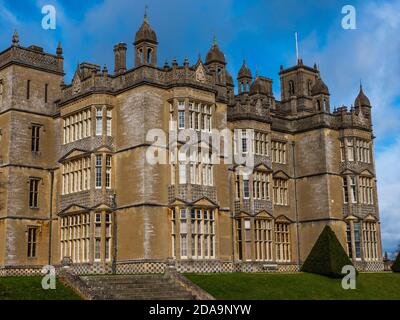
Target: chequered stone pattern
x: 370, y: 266
x: 154, y: 267
x: 96, y: 268
x: 22, y: 271
x: 141, y: 267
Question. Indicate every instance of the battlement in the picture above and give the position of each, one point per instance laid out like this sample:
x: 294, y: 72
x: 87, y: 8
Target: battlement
x: 32, y: 56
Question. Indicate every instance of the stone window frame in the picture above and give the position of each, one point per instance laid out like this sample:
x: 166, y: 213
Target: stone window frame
x: 34, y: 192
x: 280, y: 187
x: 284, y: 247
x: 35, y: 136
x: 32, y: 244
x: 188, y: 223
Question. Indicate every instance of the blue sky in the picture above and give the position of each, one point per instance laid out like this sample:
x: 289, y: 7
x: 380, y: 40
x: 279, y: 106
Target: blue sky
x: 260, y: 31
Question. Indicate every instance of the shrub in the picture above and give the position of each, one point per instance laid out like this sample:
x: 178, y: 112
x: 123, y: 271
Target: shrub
x: 327, y: 257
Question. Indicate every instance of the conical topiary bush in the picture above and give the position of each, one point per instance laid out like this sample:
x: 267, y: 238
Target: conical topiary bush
x: 327, y: 257
x: 396, y: 264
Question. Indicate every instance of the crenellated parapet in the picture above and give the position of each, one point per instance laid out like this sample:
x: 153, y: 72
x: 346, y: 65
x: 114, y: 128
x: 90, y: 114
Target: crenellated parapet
x: 32, y: 56
x: 167, y: 77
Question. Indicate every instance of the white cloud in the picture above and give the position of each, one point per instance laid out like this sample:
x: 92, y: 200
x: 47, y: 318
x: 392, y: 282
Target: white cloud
x: 389, y: 193
x: 370, y: 53
x: 7, y: 17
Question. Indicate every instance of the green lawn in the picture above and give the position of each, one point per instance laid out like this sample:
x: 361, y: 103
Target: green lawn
x: 30, y: 288
x: 299, y: 286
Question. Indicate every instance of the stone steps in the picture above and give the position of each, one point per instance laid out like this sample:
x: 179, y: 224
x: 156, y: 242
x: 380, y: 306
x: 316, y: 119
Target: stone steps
x: 136, y: 287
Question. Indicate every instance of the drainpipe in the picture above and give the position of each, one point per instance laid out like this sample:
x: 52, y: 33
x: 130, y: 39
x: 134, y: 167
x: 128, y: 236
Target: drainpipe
x: 51, y: 214
x: 296, y: 209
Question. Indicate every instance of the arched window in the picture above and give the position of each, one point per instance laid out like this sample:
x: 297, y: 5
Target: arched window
x: 291, y: 87
x: 150, y: 56
x: 140, y: 54
x: 219, y: 74
x: 318, y: 105
x: 325, y: 108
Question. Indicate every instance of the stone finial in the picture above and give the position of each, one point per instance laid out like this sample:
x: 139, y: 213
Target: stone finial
x: 146, y: 19
x: 166, y: 65
x: 15, y: 39
x: 186, y: 62
x: 59, y: 50
x: 105, y: 70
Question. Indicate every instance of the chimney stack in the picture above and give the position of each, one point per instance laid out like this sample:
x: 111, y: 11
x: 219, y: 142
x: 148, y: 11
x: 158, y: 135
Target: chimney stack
x: 120, y: 58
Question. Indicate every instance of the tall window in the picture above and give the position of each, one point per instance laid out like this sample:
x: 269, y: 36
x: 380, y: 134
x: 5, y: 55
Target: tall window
x: 342, y: 152
x: 370, y: 239
x: 97, y: 237
x: 357, y: 240
x: 109, y: 122
x: 263, y: 239
x: 239, y: 239
x: 202, y: 231
x: 260, y: 143
x: 237, y: 186
x: 108, y: 171
x: 345, y: 190
x: 183, y: 233
x: 181, y: 119
x: 173, y: 233
x: 278, y: 152
x: 75, y: 237
x: 366, y: 190
x: 244, y: 141
x: 35, y: 139
x: 76, y: 176
x: 32, y: 236
x: 282, y: 242
x: 349, y: 243
x: 280, y: 192
x: 107, y: 242
x: 246, y: 188
x: 99, y: 121
x: 28, y: 89
x: 99, y: 158
x: 34, y: 193
x: 261, y: 185
x: 46, y: 89
x: 77, y: 126
x: 363, y: 151
x: 182, y: 172
x: 353, y: 190
x: 350, y: 149
x: 291, y: 88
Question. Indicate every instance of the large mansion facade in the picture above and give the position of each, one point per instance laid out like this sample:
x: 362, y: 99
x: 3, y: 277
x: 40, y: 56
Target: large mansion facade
x: 76, y: 185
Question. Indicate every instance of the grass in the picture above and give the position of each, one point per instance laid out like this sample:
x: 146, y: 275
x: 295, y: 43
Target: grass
x: 299, y: 286
x: 30, y: 288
